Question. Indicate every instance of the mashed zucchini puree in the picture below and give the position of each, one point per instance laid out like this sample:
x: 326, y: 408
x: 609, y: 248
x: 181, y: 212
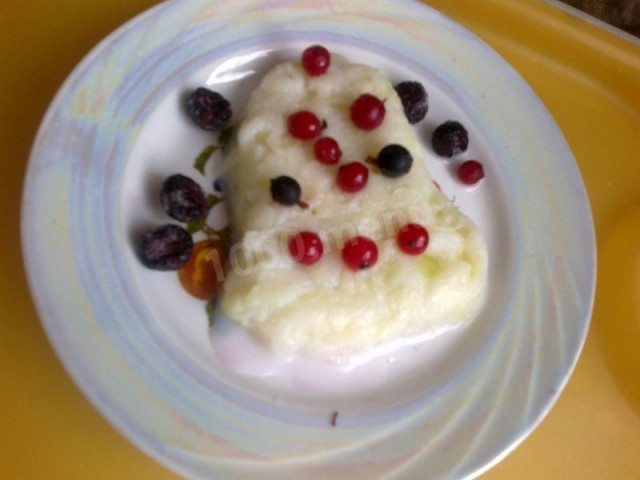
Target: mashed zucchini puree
x: 345, y: 245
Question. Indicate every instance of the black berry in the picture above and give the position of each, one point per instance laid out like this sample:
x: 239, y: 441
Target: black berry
x: 285, y: 190
x: 209, y: 110
x: 183, y: 199
x: 414, y: 100
x: 450, y: 139
x: 166, y: 248
x: 394, y: 160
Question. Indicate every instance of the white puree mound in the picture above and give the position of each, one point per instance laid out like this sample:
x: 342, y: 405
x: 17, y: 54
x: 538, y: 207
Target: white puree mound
x: 325, y: 308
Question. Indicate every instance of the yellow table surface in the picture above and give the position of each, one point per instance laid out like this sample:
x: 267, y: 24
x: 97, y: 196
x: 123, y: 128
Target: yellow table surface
x: 588, y: 78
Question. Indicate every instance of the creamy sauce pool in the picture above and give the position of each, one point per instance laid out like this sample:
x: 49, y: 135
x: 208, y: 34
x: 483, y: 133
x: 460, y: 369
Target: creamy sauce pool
x: 239, y: 352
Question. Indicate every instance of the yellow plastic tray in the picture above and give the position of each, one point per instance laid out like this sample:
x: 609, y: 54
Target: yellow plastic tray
x: 589, y: 79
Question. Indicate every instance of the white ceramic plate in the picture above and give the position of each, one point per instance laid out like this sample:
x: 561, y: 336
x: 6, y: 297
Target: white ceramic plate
x: 139, y: 346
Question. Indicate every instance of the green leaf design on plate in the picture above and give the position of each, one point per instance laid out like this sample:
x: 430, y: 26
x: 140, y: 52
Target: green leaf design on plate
x: 225, y: 136
x: 202, y: 159
x: 210, y: 307
x: 194, y: 226
x: 225, y: 239
x: 213, y: 200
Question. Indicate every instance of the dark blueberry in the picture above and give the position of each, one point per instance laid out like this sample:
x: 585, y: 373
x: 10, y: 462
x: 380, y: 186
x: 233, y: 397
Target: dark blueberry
x: 218, y: 185
x: 166, y: 248
x: 209, y: 110
x: 183, y: 199
x: 394, y: 160
x: 450, y: 139
x: 414, y: 100
x: 285, y: 190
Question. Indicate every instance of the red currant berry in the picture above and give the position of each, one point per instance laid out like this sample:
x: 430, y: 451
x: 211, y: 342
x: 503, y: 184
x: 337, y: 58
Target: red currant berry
x: 470, y: 172
x: 360, y: 253
x: 352, y: 177
x: 413, y: 239
x: 327, y: 150
x: 316, y: 60
x: 305, y: 248
x: 367, y: 112
x: 304, y: 125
